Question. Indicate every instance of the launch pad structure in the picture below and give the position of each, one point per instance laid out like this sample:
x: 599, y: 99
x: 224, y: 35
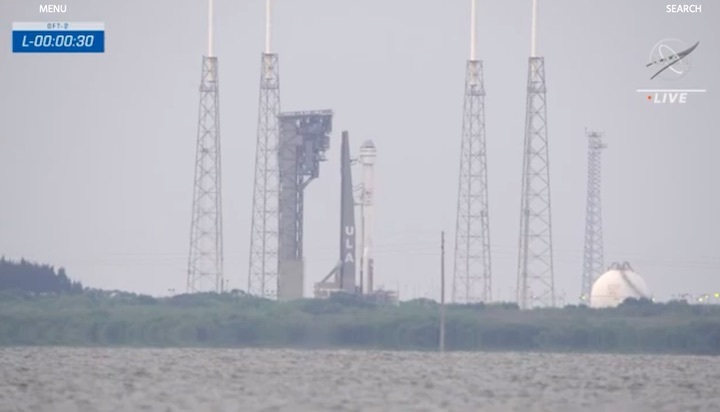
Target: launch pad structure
x: 263, y: 259
x: 205, y: 260
x: 290, y: 148
x: 535, y: 278
x: 472, y: 279
x: 593, y: 259
x: 304, y: 138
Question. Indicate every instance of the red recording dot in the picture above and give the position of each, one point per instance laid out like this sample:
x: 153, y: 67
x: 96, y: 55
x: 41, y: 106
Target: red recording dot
x: 649, y: 97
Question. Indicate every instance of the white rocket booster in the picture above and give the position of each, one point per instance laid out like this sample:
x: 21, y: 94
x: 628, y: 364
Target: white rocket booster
x: 367, y: 159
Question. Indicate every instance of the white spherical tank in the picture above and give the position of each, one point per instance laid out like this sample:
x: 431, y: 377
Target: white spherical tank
x: 617, y: 284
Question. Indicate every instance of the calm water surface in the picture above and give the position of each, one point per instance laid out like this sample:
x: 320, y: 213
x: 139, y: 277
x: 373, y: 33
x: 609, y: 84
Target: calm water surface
x: 63, y: 379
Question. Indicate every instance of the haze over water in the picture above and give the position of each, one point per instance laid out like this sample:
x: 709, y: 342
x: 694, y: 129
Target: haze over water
x: 92, y: 379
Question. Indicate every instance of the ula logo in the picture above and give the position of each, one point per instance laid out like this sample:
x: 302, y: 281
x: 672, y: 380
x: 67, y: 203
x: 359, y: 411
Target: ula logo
x: 670, y: 60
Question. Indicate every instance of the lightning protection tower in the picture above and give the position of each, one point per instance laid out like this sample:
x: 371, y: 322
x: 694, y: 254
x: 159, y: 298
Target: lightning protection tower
x: 593, y: 264
x: 263, y: 271
x: 535, y: 282
x: 205, y: 263
x: 472, y: 274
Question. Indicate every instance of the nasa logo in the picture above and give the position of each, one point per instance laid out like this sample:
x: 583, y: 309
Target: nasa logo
x: 672, y: 56
x: 670, y: 59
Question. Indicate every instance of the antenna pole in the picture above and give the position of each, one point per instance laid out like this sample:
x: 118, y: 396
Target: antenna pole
x: 268, y: 24
x: 533, y: 41
x: 210, y: 28
x: 473, y: 29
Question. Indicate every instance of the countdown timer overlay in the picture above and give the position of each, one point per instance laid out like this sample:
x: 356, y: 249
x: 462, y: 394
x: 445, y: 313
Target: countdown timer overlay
x: 58, y: 37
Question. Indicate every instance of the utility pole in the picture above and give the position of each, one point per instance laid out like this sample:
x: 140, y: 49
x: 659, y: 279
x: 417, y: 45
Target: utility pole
x: 442, y: 291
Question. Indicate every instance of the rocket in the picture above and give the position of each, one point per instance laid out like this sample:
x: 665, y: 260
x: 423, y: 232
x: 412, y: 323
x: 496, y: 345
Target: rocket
x: 347, y: 220
x: 342, y: 277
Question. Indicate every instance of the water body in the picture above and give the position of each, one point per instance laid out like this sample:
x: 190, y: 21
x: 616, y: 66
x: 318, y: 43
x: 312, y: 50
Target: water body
x: 68, y: 379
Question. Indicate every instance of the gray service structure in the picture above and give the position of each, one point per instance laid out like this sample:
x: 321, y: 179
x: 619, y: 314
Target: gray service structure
x: 304, y: 138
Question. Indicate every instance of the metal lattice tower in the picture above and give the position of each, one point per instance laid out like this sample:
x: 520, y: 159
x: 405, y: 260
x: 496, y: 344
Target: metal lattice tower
x: 263, y: 274
x: 593, y: 264
x: 471, y: 274
x: 535, y: 280
x: 263, y: 271
x: 205, y: 263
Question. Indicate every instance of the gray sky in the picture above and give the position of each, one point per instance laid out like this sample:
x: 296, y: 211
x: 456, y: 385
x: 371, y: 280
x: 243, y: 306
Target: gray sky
x: 97, y: 151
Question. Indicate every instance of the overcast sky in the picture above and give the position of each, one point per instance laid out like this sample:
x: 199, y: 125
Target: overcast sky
x: 97, y: 151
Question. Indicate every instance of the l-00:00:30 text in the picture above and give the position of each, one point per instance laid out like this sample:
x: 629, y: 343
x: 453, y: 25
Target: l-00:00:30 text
x: 60, y: 40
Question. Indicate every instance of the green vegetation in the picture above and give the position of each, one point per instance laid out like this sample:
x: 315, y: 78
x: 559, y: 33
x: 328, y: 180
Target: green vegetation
x: 234, y: 320
x: 33, y: 278
x: 41, y: 307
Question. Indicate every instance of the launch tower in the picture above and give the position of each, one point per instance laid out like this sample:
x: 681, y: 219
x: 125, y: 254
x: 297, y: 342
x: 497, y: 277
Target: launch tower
x: 205, y: 262
x: 535, y: 281
x: 304, y: 138
x: 593, y: 265
x: 262, y: 276
x: 472, y: 280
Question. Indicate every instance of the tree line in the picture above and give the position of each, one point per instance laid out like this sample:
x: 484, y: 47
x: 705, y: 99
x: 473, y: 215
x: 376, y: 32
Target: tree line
x: 35, y: 278
x: 101, y: 318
